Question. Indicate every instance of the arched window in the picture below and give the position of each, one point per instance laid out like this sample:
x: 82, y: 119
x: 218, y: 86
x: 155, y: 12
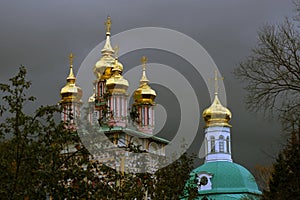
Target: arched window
x: 143, y: 116
x: 148, y: 115
x: 101, y: 89
x: 221, y: 143
x: 153, y: 148
x: 137, y: 144
x: 206, y: 145
x: 227, y: 144
x: 212, y: 144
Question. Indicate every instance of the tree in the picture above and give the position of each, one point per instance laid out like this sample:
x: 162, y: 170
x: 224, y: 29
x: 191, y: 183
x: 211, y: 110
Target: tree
x: 284, y: 182
x: 32, y: 164
x: 20, y: 150
x: 170, y: 181
x: 262, y: 176
x: 273, y: 75
x: 273, y: 72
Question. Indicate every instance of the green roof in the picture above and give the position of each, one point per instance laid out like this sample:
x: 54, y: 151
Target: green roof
x: 135, y: 133
x: 229, y: 181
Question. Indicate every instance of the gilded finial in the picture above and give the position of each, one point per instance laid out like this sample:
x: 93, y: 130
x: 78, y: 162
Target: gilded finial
x: 116, y: 49
x: 108, y: 24
x: 71, y: 74
x: 107, y: 49
x: 144, y: 79
x: 144, y: 61
x: 71, y: 60
x: 216, y: 79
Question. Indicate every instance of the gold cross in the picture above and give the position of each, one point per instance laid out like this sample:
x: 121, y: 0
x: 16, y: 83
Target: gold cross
x: 144, y: 61
x: 71, y: 60
x: 216, y: 81
x: 116, y: 49
x: 108, y: 24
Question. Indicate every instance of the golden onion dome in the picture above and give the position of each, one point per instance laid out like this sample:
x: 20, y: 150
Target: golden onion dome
x: 217, y: 114
x: 116, y: 83
x: 117, y: 66
x: 102, y: 68
x: 144, y: 94
x: 71, y: 92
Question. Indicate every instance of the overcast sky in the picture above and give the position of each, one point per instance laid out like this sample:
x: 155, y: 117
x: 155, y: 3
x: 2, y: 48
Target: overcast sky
x: 41, y: 34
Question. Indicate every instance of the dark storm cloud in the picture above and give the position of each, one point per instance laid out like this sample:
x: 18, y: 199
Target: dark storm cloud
x: 41, y: 34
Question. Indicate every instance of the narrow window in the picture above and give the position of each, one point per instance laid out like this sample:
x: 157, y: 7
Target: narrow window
x: 227, y: 145
x: 212, y: 144
x: 221, y: 143
x: 143, y: 116
x: 101, y: 89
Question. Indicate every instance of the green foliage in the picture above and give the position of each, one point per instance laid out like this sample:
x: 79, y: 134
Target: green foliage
x: 171, y: 179
x: 284, y: 182
x: 21, y: 160
x: 32, y: 163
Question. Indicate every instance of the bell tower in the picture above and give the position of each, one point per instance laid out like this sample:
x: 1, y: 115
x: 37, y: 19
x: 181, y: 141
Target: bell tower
x: 144, y: 103
x: 217, y: 130
x: 103, y: 71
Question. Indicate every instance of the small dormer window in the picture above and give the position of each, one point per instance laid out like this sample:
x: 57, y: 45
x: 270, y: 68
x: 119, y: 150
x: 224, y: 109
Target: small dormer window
x: 204, y: 182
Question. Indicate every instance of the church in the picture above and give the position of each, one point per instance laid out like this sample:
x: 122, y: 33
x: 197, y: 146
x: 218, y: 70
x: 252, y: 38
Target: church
x: 125, y: 126
x: 218, y: 178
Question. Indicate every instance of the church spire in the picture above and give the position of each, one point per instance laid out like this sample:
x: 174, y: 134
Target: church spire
x: 107, y: 49
x: 71, y: 92
x: 144, y: 94
x: 71, y: 76
x: 216, y: 79
x: 70, y: 97
x: 144, y: 79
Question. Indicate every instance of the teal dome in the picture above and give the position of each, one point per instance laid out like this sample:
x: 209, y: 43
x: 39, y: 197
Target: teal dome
x: 226, y: 180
